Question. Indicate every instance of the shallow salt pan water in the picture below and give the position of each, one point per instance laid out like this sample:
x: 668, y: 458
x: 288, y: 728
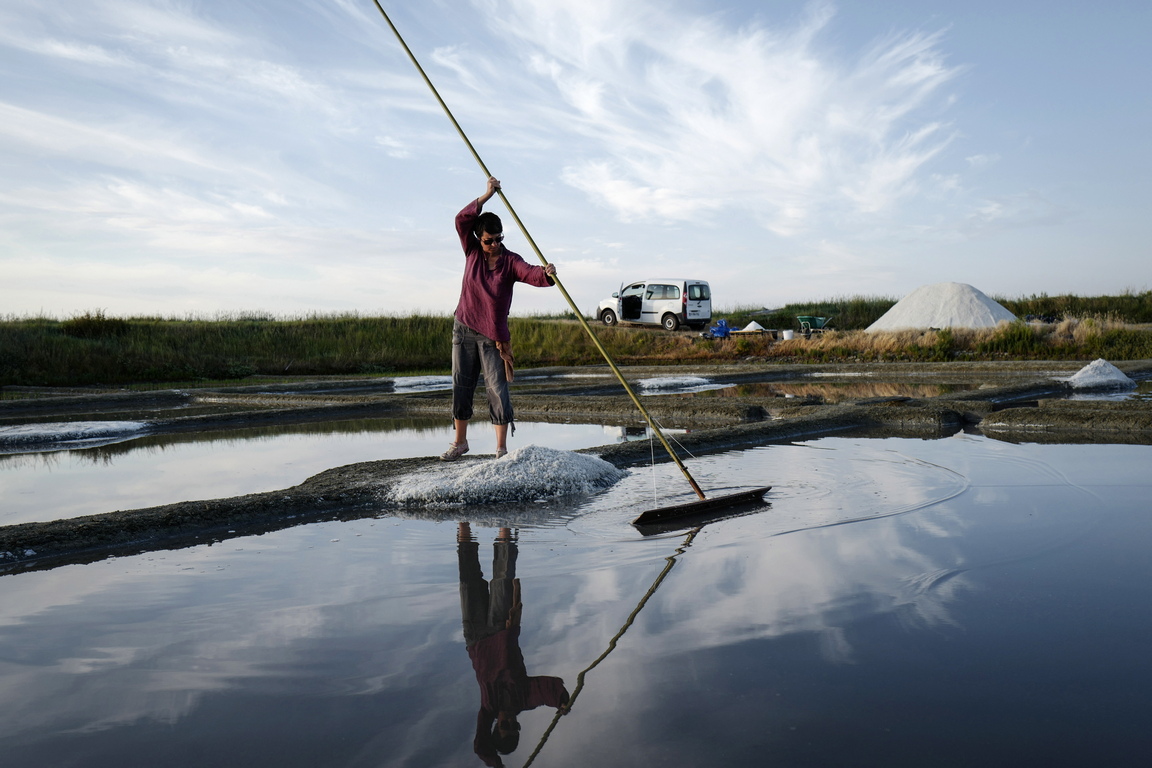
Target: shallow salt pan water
x: 1142, y: 391
x: 53, y: 485
x: 900, y: 602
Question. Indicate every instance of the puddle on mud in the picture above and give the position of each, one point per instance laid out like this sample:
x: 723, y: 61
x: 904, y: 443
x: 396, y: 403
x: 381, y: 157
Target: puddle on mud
x: 1142, y: 392
x: 899, y: 601
x: 833, y: 392
x: 835, y: 388
x: 844, y: 387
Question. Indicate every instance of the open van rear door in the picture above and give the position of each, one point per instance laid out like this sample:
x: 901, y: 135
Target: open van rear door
x: 698, y: 303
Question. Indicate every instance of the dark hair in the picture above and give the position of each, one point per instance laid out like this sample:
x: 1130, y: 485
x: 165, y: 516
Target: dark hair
x: 505, y: 742
x: 487, y: 222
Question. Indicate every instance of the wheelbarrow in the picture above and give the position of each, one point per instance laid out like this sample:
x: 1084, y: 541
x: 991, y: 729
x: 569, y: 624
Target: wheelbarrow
x: 810, y: 324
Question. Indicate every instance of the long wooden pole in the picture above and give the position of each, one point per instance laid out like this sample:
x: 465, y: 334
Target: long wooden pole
x: 579, y: 315
x: 615, y: 639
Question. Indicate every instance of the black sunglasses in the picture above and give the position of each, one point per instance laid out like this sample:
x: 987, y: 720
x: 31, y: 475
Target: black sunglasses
x: 492, y: 240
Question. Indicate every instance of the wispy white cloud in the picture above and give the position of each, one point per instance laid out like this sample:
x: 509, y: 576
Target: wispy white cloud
x: 85, y: 53
x: 138, y: 146
x: 982, y: 161
x: 734, y: 128
x: 167, y: 22
x: 395, y: 147
x: 277, y: 270
x: 685, y: 115
x: 1027, y: 209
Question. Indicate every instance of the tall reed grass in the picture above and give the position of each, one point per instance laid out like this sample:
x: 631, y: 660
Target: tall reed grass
x: 849, y: 313
x: 95, y: 349
x: 1130, y: 306
x: 845, y: 312
x: 1069, y: 339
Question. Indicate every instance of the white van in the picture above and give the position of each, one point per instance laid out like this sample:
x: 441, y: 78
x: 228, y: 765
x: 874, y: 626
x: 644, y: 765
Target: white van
x: 667, y: 302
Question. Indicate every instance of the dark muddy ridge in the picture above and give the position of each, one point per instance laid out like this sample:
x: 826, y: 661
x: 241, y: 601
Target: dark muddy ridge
x: 1018, y: 402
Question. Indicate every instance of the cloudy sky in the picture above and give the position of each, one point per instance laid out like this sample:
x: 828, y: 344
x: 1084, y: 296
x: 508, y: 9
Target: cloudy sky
x: 180, y: 157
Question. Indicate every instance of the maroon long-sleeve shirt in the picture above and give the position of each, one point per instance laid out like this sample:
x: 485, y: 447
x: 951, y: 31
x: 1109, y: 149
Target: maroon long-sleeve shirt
x: 506, y: 687
x: 486, y: 295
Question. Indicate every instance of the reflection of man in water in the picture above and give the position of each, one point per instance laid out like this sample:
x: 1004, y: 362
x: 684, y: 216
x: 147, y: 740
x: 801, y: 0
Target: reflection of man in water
x: 492, y: 633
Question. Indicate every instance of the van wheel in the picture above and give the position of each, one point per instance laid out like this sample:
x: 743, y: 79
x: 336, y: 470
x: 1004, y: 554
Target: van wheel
x: 608, y: 317
x: 670, y: 322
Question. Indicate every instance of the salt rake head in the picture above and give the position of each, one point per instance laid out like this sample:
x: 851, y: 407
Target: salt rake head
x: 701, y: 511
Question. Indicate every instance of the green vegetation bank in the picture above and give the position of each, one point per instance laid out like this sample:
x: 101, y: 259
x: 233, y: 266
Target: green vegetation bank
x: 98, y: 350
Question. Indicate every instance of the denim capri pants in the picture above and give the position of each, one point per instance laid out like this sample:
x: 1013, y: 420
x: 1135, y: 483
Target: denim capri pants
x: 472, y: 354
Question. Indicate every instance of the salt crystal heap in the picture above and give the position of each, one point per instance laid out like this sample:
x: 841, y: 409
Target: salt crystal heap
x: 943, y: 305
x: 27, y: 438
x: 1101, y: 374
x: 528, y: 474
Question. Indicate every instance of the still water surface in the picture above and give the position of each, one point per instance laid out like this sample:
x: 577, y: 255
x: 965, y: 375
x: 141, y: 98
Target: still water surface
x: 162, y: 469
x: 901, y: 602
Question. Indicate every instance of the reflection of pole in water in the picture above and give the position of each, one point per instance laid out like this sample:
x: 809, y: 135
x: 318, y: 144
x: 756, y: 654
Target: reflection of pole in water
x: 615, y: 639
x: 491, y: 612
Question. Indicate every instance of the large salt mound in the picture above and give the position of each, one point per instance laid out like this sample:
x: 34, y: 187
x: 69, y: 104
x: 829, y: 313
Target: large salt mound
x: 1101, y: 374
x: 943, y: 305
x: 527, y: 474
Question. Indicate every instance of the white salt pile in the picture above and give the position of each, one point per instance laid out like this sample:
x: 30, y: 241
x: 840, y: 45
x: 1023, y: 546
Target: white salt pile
x: 677, y: 384
x: 1101, y: 374
x: 673, y: 382
x: 527, y: 474
x: 753, y: 326
x: 28, y: 438
x: 421, y: 383
x: 943, y: 305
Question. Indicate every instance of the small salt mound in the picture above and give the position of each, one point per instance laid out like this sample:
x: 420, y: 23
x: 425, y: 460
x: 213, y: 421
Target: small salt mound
x: 672, y: 382
x: 526, y: 474
x: 677, y: 385
x: 70, y: 434
x: 753, y: 326
x: 1101, y: 374
x: 421, y: 383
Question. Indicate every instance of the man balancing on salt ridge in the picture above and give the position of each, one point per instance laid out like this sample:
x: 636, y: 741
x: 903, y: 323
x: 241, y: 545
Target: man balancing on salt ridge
x: 480, y: 338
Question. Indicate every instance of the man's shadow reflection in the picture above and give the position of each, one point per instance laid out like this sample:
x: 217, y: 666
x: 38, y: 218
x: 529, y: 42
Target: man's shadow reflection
x: 491, y: 615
